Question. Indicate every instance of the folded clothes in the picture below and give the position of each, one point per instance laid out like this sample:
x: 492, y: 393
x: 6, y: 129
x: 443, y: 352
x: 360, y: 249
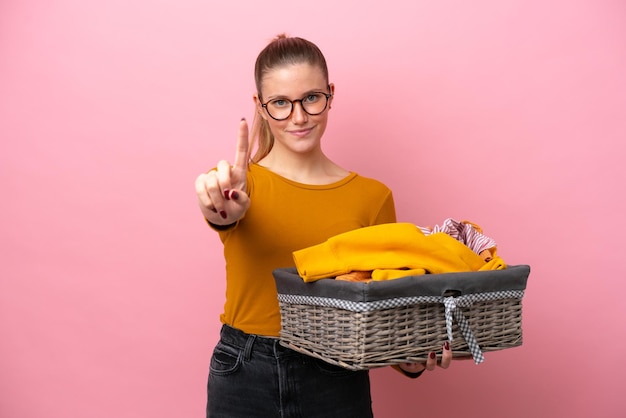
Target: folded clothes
x: 468, y: 233
x: 389, y: 251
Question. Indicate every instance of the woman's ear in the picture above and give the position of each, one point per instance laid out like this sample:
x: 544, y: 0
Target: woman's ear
x: 257, y: 104
x: 331, y: 86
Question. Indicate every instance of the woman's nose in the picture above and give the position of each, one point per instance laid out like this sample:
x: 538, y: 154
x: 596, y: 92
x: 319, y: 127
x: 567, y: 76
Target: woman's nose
x: 298, y: 115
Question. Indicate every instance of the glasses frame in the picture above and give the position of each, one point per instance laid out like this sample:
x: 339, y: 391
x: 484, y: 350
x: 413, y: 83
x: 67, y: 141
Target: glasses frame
x: 327, y: 95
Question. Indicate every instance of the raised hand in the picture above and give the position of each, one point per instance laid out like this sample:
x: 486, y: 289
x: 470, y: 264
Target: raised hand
x: 221, y: 192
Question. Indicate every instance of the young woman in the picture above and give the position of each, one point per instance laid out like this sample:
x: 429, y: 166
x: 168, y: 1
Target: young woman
x: 288, y: 196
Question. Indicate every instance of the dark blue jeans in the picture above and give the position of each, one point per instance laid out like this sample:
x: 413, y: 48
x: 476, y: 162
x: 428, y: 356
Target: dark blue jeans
x: 252, y: 376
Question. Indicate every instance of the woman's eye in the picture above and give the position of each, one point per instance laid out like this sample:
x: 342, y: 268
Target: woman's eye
x: 312, y: 98
x: 280, y: 103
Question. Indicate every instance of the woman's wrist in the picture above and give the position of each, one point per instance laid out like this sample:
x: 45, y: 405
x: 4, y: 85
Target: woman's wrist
x: 411, y: 374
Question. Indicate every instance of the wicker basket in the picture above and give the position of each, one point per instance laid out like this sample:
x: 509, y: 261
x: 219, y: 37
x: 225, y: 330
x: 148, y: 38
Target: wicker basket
x: 367, y: 325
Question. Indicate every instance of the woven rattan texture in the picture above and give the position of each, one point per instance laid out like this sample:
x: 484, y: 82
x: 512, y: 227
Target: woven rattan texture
x: 365, y: 340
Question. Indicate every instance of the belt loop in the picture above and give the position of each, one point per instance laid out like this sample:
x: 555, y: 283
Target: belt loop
x: 248, y: 349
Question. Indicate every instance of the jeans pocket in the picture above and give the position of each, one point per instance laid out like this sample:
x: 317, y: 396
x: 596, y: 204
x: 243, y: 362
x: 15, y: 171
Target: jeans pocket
x: 225, y: 360
x: 330, y: 369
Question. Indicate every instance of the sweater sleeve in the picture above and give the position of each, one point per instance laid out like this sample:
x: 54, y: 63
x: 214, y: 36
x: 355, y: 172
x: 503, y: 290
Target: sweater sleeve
x: 387, y: 212
x: 408, y: 374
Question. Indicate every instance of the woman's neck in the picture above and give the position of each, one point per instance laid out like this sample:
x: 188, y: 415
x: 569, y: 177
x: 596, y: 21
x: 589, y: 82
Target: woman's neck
x: 313, y: 168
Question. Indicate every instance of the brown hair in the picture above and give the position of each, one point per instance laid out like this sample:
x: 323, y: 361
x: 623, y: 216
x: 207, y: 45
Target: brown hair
x: 281, y: 51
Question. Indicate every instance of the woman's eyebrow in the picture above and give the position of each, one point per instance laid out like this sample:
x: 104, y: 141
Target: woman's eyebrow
x: 282, y: 96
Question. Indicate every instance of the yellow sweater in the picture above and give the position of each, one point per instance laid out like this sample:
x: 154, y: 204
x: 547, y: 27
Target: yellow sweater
x: 390, y: 251
x: 285, y: 216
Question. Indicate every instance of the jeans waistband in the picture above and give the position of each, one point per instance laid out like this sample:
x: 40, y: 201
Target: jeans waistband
x: 251, y: 342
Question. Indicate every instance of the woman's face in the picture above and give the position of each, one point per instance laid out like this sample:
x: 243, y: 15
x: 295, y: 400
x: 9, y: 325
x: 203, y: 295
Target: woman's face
x: 300, y: 132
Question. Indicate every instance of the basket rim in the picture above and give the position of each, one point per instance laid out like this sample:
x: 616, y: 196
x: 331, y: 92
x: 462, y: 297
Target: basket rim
x: 288, y: 282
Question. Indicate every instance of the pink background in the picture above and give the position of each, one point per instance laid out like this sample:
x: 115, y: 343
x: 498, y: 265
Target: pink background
x: 507, y: 113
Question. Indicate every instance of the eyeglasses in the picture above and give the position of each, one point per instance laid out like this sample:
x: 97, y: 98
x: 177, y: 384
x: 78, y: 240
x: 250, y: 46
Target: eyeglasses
x: 313, y: 104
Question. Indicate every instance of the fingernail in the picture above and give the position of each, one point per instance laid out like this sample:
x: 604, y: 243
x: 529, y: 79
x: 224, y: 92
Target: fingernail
x: 446, y: 345
x: 243, y: 119
x: 223, y: 214
x: 234, y: 194
x: 227, y: 194
x: 433, y: 356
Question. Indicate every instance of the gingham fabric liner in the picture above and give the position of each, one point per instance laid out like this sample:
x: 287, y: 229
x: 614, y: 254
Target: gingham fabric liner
x: 452, y: 309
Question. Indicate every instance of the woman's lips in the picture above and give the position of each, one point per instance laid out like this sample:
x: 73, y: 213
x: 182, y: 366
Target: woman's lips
x: 301, y: 132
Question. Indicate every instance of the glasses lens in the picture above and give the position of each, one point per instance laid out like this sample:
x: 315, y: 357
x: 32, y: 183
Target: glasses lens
x: 279, y: 108
x: 314, y: 103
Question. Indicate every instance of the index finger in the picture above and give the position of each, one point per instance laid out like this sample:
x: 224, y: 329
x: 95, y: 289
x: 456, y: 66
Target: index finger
x: 241, y: 154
